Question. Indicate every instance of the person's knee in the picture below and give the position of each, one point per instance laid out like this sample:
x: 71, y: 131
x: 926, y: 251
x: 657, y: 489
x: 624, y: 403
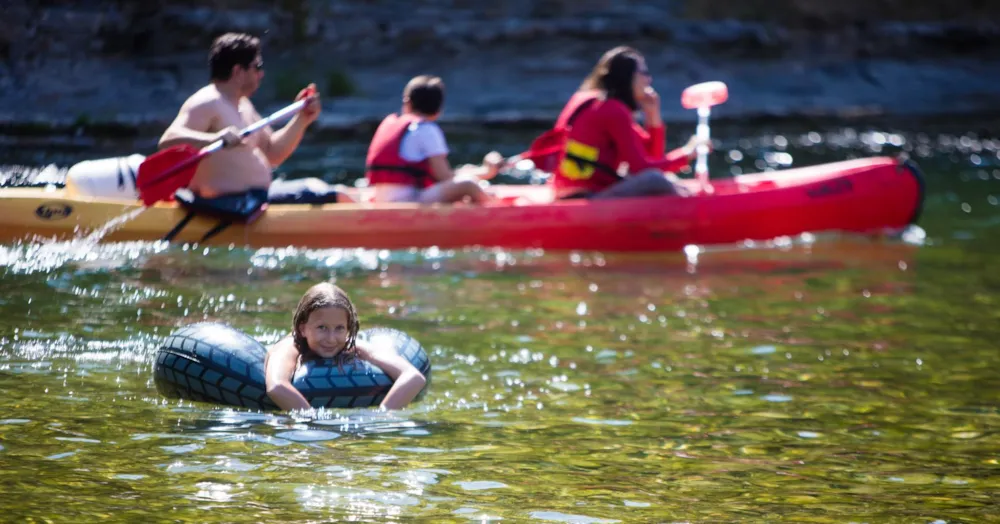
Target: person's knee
x: 468, y: 187
x: 653, y: 182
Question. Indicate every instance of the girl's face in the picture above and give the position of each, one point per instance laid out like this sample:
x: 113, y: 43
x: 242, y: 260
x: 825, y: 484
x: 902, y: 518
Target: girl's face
x: 326, y: 331
x: 641, y: 79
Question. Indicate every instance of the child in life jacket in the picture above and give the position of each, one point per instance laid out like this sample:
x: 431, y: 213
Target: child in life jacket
x: 408, y: 156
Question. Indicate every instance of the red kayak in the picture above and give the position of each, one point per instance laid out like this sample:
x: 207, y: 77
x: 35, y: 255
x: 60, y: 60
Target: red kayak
x: 867, y: 195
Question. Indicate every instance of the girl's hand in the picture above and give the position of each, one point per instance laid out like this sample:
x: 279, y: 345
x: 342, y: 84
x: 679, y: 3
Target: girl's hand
x: 407, y: 380
x: 279, y: 366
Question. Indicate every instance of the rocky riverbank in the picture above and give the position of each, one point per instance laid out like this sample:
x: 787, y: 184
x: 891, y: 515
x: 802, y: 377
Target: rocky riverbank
x: 119, y: 67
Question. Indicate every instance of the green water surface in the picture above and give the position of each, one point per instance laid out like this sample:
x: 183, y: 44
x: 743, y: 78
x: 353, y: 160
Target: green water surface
x: 836, y: 379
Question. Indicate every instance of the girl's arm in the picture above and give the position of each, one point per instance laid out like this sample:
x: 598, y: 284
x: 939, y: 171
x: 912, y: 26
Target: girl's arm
x: 407, y: 380
x: 279, y: 367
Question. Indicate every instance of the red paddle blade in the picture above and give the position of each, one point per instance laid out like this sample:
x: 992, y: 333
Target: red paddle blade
x: 164, y: 172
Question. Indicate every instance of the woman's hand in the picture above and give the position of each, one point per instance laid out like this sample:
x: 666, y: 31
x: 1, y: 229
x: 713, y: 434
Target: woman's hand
x: 691, y: 148
x: 649, y: 103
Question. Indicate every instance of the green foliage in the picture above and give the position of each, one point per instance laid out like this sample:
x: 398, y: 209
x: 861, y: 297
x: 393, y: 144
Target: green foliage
x: 288, y: 82
x: 339, y: 83
x: 335, y: 83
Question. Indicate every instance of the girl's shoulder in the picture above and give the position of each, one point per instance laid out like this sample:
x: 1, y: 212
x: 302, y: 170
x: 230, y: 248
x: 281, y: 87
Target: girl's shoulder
x: 285, y: 344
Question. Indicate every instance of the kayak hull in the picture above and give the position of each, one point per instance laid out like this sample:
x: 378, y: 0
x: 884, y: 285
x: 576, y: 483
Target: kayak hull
x: 861, y: 196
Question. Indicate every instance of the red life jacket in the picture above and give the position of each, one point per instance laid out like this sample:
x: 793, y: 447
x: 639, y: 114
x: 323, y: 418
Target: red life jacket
x: 385, y: 165
x: 579, y: 163
x: 545, y: 151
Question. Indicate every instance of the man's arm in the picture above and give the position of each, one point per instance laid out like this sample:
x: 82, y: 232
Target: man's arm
x: 279, y: 145
x: 191, y: 126
x: 440, y: 168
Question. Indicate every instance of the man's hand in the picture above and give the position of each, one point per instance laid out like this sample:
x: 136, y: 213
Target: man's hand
x: 313, y: 108
x: 230, y: 137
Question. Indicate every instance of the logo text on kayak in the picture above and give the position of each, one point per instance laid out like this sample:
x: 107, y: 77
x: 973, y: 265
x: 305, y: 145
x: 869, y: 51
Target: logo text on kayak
x: 53, y: 211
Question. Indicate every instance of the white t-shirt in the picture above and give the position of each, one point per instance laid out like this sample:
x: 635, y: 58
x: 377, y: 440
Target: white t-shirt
x: 424, y: 140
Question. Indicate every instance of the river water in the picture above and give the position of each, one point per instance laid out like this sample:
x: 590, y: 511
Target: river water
x: 816, y: 379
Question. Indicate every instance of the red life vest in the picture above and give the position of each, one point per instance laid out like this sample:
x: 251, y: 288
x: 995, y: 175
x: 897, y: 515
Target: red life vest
x: 578, y: 164
x: 385, y: 165
x: 546, y: 150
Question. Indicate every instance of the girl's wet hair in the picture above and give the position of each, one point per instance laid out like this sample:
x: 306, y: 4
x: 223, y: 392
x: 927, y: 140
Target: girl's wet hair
x: 318, y: 297
x: 613, y: 74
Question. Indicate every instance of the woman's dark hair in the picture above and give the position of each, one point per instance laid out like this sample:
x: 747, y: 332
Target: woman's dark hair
x: 613, y: 74
x: 317, y: 297
x: 232, y: 49
x: 425, y: 94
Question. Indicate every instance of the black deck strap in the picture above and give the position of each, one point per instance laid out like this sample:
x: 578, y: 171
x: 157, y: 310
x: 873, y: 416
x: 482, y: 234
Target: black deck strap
x: 237, y: 207
x: 243, y: 208
x: 219, y: 228
x: 169, y: 237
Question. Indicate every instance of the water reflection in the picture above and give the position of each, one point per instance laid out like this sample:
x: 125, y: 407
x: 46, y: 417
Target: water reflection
x: 793, y: 377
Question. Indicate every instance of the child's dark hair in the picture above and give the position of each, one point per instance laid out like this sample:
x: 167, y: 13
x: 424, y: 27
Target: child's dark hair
x: 232, y: 49
x: 425, y: 94
x: 613, y: 75
x: 320, y: 296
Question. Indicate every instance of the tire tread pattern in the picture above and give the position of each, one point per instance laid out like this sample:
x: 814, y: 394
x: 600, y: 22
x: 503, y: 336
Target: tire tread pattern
x: 212, y: 362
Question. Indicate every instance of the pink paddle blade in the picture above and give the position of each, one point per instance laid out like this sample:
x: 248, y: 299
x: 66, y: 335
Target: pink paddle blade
x: 164, y: 172
x: 705, y: 94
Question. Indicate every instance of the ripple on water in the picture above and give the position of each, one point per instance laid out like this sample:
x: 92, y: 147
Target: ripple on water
x: 58, y: 456
x: 79, y: 439
x: 308, y: 435
x: 184, y: 448
x: 602, y: 422
x: 556, y: 516
x: 333, y: 497
x: 420, y: 477
x: 776, y: 398
x: 417, y: 449
x: 480, y: 485
x: 476, y: 515
x: 129, y: 476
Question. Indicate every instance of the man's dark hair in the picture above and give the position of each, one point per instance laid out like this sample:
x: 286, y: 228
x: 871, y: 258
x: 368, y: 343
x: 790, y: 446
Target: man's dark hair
x: 425, y: 94
x: 232, y: 49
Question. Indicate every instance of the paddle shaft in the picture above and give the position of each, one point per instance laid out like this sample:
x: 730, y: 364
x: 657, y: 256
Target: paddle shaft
x: 245, y: 132
x: 701, y: 165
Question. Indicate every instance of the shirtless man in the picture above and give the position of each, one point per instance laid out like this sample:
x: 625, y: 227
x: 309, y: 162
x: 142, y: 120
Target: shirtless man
x: 220, y: 109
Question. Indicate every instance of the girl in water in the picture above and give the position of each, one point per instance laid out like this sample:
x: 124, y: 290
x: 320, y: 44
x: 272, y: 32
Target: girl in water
x: 325, y: 325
